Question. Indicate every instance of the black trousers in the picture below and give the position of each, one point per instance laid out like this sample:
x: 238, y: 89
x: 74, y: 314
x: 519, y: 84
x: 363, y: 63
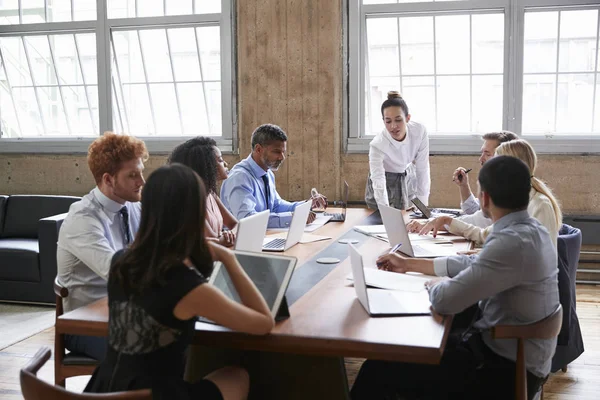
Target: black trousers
x: 469, y: 370
x: 90, y: 346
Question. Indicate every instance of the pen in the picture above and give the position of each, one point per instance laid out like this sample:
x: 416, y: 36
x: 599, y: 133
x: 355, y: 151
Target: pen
x: 466, y: 172
x: 392, y: 250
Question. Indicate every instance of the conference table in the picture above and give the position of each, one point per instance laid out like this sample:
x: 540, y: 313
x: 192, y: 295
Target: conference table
x: 304, y: 354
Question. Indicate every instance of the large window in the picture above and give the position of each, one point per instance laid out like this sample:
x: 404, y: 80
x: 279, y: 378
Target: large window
x: 72, y: 69
x: 474, y: 66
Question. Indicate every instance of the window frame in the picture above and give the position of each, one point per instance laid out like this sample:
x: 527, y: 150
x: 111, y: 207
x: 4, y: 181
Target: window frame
x: 103, y: 28
x: 514, y: 12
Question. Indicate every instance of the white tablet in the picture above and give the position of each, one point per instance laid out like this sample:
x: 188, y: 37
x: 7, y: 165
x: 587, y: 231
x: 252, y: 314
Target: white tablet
x: 270, y: 273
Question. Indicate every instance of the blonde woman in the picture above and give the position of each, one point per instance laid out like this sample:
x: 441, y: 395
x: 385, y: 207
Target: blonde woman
x: 543, y: 206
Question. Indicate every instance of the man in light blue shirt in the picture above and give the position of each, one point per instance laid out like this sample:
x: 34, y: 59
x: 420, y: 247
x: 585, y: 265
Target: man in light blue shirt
x: 514, y: 282
x: 104, y: 221
x: 250, y: 186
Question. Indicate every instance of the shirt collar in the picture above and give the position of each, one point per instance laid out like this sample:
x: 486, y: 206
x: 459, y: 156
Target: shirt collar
x: 106, y: 203
x: 509, y: 219
x: 256, y: 169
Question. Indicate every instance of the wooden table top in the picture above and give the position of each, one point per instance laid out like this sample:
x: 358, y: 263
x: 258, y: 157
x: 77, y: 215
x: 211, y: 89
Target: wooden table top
x: 327, y: 320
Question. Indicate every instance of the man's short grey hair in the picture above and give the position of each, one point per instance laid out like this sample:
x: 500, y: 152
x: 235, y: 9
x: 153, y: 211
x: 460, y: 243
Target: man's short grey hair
x: 500, y: 136
x: 267, y: 133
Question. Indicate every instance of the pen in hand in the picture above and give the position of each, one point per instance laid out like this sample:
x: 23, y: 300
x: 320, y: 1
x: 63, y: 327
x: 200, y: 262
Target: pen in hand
x: 466, y: 172
x: 392, y: 251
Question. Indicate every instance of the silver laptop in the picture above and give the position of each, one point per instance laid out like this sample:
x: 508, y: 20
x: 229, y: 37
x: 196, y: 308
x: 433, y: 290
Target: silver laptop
x: 436, y: 212
x: 340, y: 217
x: 385, y: 303
x: 251, y: 232
x: 398, y: 234
x: 294, y: 233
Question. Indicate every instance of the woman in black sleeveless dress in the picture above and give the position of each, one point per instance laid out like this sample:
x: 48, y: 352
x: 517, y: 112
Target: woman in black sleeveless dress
x: 156, y: 288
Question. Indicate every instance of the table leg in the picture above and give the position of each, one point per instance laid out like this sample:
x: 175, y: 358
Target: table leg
x: 276, y: 375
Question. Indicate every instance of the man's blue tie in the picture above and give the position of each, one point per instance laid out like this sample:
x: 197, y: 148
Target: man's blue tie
x: 125, y: 215
x: 265, y: 179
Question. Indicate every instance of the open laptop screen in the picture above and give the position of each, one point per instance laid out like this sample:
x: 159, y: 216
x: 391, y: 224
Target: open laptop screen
x: 270, y: 273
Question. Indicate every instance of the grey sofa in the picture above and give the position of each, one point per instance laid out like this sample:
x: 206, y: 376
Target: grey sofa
x: 29, y: 227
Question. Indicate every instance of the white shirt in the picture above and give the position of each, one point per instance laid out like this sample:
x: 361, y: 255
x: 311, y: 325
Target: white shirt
x: 477, y: 219
x: 89, y: 237
x: 470, y: 205
x: 389, y: 155
x: 540, y: 208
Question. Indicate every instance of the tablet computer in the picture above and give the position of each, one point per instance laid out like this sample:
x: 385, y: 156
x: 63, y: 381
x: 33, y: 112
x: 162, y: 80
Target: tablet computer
x: 270, y: 273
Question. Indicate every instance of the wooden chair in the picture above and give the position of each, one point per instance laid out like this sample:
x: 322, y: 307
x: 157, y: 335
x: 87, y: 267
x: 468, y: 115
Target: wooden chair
x: 34, y: 388
x: 72, y: 364
x: 547, y: 328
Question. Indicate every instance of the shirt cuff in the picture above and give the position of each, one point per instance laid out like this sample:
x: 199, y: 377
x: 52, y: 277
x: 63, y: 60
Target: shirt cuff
x: 440, y: 266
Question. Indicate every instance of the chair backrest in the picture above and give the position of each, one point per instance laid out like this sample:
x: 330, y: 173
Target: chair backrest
x: 23, y: 213
x: 3, y: 201
x: 568, y: 249
x: 61, y: 293
x: 34, y: 388
x: 546, y: 328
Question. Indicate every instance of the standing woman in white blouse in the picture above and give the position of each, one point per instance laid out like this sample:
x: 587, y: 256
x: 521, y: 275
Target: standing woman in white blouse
x: 398, y: 159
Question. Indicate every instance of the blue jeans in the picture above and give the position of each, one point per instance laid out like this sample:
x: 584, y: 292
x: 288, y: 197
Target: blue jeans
x: 91, y: 346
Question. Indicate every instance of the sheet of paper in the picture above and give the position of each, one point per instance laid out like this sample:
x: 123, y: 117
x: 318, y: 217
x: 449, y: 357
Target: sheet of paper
x: 317, y: 223
x: 306, y: 237
x: 370, y: 229
x: 394, y: 281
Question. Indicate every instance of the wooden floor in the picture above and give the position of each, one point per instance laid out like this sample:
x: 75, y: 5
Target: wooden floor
x: 580, y: 382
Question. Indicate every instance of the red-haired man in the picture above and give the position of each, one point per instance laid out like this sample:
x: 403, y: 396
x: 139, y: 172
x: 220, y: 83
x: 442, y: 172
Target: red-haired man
x: 104, y: 221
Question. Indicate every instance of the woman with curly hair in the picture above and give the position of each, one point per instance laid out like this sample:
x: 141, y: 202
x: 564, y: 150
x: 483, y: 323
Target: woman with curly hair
x: 203, y: 156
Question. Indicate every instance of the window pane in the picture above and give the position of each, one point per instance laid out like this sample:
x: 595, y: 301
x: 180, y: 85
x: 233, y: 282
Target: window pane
x: 138, y: 110
x: 193, y: 109
x: 541, y: 30
x: 121, y: 8
x: 67, y: 63
x: 575, y: 103
x: 33, y: 11
x: 165, y: 109
x: 179, y: 7
x: 86, y: 44
x: 9, y: 12
x: 128, y: 57
x: 488, y: 43
x: 539, y: 94
x: 597, y: 107
x: 487, y: 103
x: 213, y: 99
x: 420, y: 97
x: 453, y: 99
x: 156, y: 55
x: 416, y: 45
x: 15, y: 61
x: 9, y: 125
x: 53, y: 111
x: 85, y: 10
x: 93, y: 98
x: 59, y: 10
x: 150, y: 8
x: 29, y: 113
x: 207, y: 6
x: 41, y: 62
x: 78, y: 111
x: 210, y: 52
x: 382, y: 37
x: 577, y: 49
x: 452, y: 44
x: 378, y: 94
x: 184, y: 53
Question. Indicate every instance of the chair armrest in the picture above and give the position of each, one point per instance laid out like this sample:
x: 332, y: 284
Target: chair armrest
x: 546, y: 328
x: 48, y: 229
x: 38, y: 360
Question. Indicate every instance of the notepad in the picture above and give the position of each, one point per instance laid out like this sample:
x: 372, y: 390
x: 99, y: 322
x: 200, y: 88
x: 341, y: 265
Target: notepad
x: 370, y: 229
x: 394, y: 281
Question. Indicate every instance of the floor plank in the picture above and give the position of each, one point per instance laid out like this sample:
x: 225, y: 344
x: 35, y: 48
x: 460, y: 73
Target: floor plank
x: 580, y: 382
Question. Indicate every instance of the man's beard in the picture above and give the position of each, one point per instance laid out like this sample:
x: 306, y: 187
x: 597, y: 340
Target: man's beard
x: 273, y: 165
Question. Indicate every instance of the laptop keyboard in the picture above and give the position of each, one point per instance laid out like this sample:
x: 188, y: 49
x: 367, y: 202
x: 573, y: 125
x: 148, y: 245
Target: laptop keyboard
x: 274, y: 244
x: 445, y: 211
x: 334, y: 215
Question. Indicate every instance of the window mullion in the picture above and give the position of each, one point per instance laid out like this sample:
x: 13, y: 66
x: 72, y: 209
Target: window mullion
x: 208, y: 119
x: 471, y: 72
x: 60, y: 88
x: 137, y: 33
x: 174, y: 81
x: 35, y: 89
x: 556, y: 74
x: 435, y: 89
x: 103, y: 68
x: 595, y: 72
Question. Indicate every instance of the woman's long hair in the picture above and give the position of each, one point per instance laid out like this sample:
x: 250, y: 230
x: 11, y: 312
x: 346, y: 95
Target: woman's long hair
x: 171, y: 230
x: 522, y: 150
x: 199, y: 154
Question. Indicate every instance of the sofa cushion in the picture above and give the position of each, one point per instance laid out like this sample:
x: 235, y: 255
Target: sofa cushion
x: 19, y: 260
x: 23, y: 213
x: 3, y: 200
